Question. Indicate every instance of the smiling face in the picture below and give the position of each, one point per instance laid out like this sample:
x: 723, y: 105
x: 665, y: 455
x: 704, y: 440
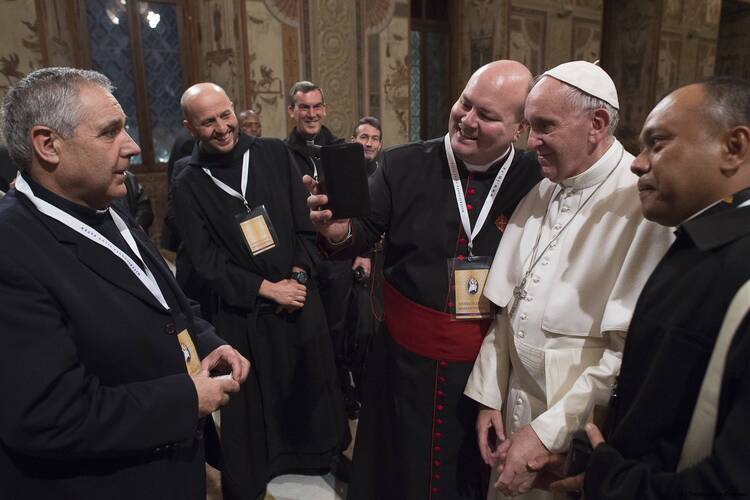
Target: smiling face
x: 558, y: 132
x: 209, y: 116
x: 484, y: 120
x: 679, y: 165
x: 369, y: 137
x: 308, y: 112
x: 92, y: 163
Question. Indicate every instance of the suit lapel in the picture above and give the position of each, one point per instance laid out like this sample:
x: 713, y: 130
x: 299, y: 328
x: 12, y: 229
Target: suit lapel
x: 97, y: 258
x: 155, y: 261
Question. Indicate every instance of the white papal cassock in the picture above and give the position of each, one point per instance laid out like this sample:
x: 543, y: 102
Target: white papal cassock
x: 560, y: 352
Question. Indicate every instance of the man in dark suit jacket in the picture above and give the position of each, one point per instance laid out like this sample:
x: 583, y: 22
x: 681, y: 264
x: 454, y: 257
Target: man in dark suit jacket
x: 103, y: 388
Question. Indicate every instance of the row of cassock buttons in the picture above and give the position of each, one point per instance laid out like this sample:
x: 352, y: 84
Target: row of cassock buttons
x: 439, y: 409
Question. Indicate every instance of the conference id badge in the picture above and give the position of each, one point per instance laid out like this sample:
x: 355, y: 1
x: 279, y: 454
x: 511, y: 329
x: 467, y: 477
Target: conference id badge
x: 467, y: 277
x: 192, y: 361
x: 257, y: 229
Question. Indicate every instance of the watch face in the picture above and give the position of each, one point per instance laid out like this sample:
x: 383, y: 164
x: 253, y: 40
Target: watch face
x: 300, y: 277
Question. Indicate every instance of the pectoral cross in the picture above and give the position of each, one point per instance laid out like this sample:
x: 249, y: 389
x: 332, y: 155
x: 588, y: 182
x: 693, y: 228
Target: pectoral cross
x: 519, y: 294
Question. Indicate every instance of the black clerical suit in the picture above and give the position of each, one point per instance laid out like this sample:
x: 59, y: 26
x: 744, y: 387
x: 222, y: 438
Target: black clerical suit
x: 670, y: 340
x: 416, y: 436
x: 97, y: 402
x: 334, y: 278
x: 289, y: 414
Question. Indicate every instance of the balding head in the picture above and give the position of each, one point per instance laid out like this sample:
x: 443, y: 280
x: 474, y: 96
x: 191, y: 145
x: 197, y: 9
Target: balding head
x: 488, y: 115
x: 209, y: 117
x: 510, y: 80
x: 691, y: 155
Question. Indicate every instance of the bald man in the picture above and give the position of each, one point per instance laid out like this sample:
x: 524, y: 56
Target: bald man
x: 438, y: 203
x: 240, y: 210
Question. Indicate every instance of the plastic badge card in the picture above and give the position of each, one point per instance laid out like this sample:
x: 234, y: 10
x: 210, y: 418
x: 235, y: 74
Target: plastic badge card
x: 468, y: 277
x: 192, y: 360
x: 257, y: 229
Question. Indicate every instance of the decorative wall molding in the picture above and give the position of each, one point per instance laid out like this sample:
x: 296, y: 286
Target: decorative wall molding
x: 333, y: 56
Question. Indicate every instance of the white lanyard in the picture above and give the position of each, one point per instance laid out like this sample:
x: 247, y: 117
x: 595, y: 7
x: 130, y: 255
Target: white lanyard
x: 146, y: 277
x: 461, y: 201
x: 243, y: 181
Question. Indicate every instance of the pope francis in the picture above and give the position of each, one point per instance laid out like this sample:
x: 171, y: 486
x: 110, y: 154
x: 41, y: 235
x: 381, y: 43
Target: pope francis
x: 573, y: 259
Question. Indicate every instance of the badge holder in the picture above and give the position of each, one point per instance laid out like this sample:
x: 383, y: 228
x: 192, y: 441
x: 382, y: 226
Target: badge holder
x: 257, y: 230
x: 189, y: 351
x: 467, y: 278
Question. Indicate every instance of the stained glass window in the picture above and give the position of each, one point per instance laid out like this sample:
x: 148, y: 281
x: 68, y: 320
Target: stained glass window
x: 161, y: 55
x: 136, y: 43
x: 110, y: 54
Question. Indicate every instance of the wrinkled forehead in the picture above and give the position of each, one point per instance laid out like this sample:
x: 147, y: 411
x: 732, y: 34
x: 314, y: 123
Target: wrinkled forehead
x: 210, y: 106
x: 680, y: 110
x: 549, y: 97
x: 310, y: 98
x: 368, y: 129
x: 97, y: 104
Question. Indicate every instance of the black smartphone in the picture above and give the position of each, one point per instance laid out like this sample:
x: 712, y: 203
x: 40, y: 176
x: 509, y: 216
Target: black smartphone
x: 579, y: 453
x: 343, y: 177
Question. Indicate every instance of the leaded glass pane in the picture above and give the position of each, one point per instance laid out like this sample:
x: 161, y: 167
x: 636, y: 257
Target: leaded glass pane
x: 438, y: 104
x: 110, y: 54
x: 161, y: 54
x: 415, y: 85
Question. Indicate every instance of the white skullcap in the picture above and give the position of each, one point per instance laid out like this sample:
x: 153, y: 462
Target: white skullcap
x: 588, y: 78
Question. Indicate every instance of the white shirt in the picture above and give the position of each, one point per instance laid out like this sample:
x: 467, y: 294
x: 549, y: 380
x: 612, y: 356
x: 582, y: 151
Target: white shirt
x: 560, y: 352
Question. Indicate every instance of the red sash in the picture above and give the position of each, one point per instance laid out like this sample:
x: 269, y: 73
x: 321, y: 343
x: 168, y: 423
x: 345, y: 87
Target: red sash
x: 429, y: 333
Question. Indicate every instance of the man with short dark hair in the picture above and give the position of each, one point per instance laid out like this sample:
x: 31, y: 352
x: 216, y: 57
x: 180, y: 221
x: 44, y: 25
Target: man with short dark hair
x: 105, y: 392
x: 368, y: 271
x: 370, y: 135
x: 307, y: 108
x: 671, y: 435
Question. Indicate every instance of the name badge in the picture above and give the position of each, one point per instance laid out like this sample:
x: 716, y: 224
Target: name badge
x: 468, y: 277
x: 257, y: 230
x: 192, y: 361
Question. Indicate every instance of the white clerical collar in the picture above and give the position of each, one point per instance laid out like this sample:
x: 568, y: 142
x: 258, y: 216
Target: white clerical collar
x: 483, y: 168
x: 596, y: 172
x: 696, y: 214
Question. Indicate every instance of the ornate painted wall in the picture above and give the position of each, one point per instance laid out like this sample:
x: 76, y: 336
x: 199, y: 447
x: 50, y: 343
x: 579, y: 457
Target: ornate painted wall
x: 687, y: 46
x: 22, y: 51
x: 333, y: 43
x: 220, y: 46
x: 732, y: 54
x: 654, y: 47
x: 266, y: 86
x: 630, y: 56
x: 545, y: 33
x: 387, y: 69
x: 482, y: 35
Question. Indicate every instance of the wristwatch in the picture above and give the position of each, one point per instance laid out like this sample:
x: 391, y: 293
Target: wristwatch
x: 300, y: 277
